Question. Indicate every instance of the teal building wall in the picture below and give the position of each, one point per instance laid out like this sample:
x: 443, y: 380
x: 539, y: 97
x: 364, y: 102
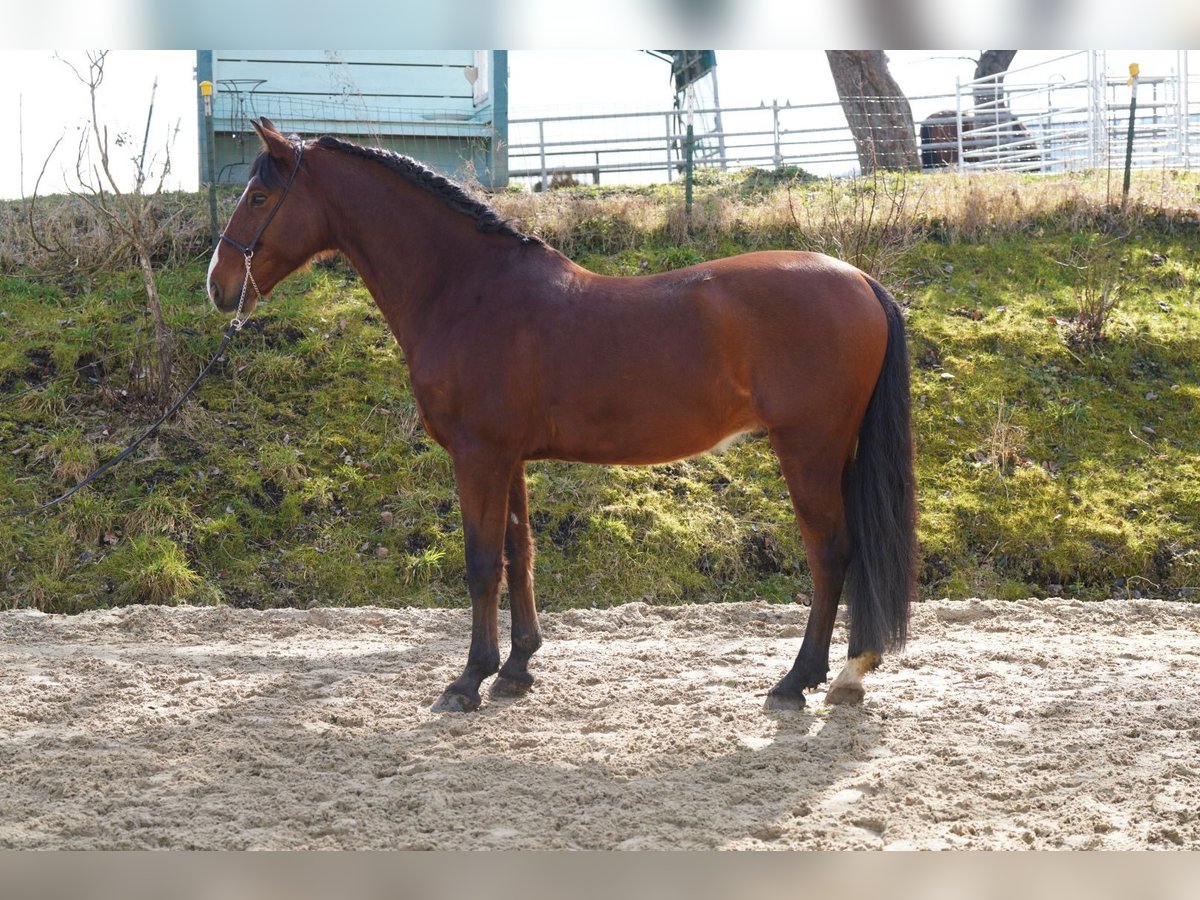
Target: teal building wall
x: 446, y: 108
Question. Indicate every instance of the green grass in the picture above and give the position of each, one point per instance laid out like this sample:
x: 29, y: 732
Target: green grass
x: 300, y: 473
x: 1044, y: 463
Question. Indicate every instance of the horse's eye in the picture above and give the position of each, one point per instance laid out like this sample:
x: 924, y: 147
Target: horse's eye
x: 258, y: 199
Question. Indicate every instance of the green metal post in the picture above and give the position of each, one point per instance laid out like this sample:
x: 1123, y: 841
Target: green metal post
x: 498, y: 176
x: 688, y: 168
x: 212, y: 179
x: 1133, y: 81
x: 208, y: 166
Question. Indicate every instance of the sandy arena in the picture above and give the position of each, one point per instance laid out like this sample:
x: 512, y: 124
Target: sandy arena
x: 1040, y: 724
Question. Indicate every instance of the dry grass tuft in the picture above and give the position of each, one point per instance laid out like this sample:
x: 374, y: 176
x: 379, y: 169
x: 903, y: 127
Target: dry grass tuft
x: 872, y: 222
x: 58, y: 236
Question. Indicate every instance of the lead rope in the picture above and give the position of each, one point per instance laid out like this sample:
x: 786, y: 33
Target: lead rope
x: 234, y: 326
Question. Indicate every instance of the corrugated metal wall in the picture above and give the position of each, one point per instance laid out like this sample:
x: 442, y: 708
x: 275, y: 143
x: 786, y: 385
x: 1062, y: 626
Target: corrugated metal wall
x: 446, y: 108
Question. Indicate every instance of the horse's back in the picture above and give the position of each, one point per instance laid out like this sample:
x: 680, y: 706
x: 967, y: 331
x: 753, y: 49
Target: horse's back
x: 785, y: 287
x: 673, y: 363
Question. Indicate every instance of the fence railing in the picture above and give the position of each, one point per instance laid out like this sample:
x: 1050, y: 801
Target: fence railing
x: 1028, y: 119
x: 654, y: 142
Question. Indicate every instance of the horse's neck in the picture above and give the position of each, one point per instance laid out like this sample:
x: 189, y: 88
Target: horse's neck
x: 406, y: 246
x: 419, y: 258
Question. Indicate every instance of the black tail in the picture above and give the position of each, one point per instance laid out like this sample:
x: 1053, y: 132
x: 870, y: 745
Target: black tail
x: 881, y: 509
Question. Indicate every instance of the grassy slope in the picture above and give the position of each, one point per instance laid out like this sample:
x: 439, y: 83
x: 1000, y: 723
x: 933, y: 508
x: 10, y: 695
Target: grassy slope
x: 301, y: 473
x: 1045, y: 464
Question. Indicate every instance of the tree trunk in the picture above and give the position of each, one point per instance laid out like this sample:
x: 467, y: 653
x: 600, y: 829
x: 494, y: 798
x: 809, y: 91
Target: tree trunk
x: 877, y: 111
x: 990, y: 104
x: 997, y: 135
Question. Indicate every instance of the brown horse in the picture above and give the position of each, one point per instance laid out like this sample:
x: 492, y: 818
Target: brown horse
x: 516, y: 353
x: 939, y: 139
x: 997, y: 139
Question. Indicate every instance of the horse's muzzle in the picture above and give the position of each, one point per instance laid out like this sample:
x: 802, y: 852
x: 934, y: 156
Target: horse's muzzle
x: 224, y: 301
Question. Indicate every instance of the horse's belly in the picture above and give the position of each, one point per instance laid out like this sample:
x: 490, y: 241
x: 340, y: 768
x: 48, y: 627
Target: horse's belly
x: 612, y: 439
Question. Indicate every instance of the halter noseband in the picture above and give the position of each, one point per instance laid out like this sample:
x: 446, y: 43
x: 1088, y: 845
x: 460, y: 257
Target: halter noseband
x: 247, y: 250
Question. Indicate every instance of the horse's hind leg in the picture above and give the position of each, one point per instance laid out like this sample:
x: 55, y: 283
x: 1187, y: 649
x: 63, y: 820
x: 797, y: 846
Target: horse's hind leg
x: 514, y: 678
x: 814, y: 481
x: 847, y: 687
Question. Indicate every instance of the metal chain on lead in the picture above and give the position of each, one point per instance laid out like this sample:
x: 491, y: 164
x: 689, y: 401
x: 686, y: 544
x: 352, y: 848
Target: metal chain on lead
x: 238, y: 320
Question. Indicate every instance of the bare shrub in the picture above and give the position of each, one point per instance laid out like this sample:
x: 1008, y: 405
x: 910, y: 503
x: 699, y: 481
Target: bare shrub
x: 865, y: 221
x: 1098, y: 287
x: 1005, y: 441
x: 125, y: 225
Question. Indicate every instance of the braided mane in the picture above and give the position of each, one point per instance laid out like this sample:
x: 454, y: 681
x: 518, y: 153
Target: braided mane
x: 453, y: 195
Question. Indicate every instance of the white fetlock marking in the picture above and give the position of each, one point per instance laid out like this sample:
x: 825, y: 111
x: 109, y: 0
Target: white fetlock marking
x: 851, y: 676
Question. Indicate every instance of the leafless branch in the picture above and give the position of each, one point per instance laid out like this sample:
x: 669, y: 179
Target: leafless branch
x: 126, y: 214
x: 33, y: 200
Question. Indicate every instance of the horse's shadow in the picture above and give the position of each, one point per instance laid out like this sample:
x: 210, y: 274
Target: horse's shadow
x: 310, y: 754
x: 748, y: 794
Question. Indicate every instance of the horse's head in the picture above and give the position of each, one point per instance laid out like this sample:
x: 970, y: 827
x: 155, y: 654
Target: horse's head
x: 275, y: 229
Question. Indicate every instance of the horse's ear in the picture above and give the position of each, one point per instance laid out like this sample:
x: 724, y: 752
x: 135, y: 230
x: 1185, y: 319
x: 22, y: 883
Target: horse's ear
x: 273, y: 142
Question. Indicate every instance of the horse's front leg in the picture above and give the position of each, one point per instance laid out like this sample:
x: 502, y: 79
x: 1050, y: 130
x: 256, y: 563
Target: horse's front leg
x: 515, y: 678
x: 483, y: 486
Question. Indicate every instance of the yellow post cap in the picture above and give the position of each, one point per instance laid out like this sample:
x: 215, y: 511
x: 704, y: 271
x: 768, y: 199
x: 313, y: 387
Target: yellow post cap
x: 206, y: 88
x: 1134, y: 71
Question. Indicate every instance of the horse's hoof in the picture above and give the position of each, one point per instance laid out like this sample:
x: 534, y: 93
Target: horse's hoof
x: 845, y: 695
x: 451, y: 701
x: 784, y: 702
x: 504, y: 686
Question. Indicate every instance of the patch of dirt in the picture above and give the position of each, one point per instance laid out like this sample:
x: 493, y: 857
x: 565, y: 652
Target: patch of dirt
x: 762, y: 554
x: 90, y: 367
x: 1051, y: 724
x: 42, y: 361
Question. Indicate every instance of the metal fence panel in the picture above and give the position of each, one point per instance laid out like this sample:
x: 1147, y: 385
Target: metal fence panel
x: 1027, y: 119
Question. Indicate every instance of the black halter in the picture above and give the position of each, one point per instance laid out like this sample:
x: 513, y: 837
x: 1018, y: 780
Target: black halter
x: 247, y: 250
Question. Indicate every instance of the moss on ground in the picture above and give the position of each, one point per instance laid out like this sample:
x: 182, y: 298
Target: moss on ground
x: 1048, y: 462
